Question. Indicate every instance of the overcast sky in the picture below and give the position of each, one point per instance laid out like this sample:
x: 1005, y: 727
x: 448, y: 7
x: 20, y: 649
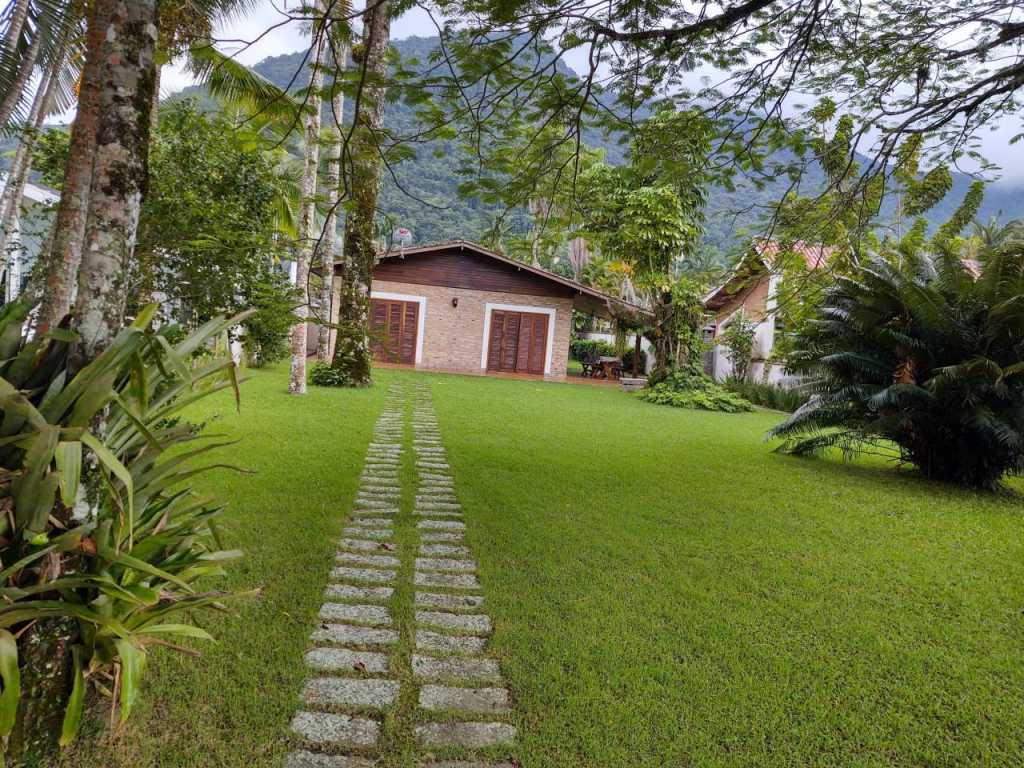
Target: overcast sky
x: 289, y: 38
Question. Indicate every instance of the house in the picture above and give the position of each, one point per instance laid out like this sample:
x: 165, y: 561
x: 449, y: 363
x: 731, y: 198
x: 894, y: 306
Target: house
x: 751, y: 291
x: 28, y: 233
x: 457, y: 306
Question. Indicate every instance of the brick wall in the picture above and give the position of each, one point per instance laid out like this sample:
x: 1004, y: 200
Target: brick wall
x: 453, y: 336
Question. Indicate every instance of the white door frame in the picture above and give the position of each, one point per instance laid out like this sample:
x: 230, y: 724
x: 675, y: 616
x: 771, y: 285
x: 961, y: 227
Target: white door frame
x: 549, y: 311
x: 421, y: 316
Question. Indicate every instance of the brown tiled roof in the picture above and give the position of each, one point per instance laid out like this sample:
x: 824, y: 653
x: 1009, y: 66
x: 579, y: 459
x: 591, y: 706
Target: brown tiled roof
x: 766, y: 252
x: 540, y: 272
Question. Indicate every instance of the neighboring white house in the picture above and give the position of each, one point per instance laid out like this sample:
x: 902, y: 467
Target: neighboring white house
x: 751, y: 292
x: 27, y: 236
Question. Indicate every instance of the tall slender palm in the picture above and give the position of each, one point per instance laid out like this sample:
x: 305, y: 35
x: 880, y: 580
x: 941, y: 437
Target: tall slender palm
x: 340, y: 39
x: 308, y: 233
x: 352, y: 349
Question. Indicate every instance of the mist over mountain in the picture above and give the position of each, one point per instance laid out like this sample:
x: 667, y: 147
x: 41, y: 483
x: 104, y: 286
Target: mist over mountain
x: 421, y: 194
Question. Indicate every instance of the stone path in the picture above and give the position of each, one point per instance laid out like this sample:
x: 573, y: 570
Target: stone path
x: 424, y: 670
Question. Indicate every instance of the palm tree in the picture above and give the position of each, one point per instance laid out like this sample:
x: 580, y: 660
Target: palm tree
x: 340, y: 39
x: 923, y: 362
x: 307, y: 228
x: 352, y: 348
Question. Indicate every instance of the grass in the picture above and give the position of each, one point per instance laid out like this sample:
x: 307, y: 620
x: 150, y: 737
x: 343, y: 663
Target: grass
x: 665, y: 589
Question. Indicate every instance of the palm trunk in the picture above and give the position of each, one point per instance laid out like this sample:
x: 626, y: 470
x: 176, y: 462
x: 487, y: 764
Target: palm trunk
x: 14, y: 190
x: 307, y: 224
x: 17, y: 17
x: 120, y: 171
x: 58, y: 273
x: 352, y: 349
x: 334, y: 193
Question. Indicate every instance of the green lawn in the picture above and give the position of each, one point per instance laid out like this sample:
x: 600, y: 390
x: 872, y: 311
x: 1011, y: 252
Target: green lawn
x: 666, y: 591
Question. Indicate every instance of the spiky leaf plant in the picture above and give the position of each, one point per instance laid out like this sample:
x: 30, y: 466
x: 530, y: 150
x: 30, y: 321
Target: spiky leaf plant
x: 924, y: 360
x: 100, y: 530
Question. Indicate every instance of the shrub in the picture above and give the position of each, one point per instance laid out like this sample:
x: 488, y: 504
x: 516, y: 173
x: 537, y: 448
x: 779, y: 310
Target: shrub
x: 580, y: 348
x: 924, y: 357
x: 101, y: 540
x: 692, y: 388
x: 267, y: 331
x: 326, y: 375
x: 771, y: 396
x: 738, y: 338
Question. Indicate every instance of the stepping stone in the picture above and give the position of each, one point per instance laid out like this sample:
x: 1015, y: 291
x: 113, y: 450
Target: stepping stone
x: 344, y: 660
x: 370, y: 533
x: 435, y: 641
x: 441, y: 536
x: 346, y: 634
x: 432, y: 563
x: 366, y: 509
x: 349, y: 592
x: 386, y: 561
x: 379, y: 494
x: 435, y: 493
x: 342, y: 730
x: 435, y: 503
x: 441, y: 525
x: 437, y: 513
x: 434, y: 478
x: 451, y: 602
x: 361, y: 614
x: 443, y: 667
x: 475, y: 622
x: 365, y: 503
x: 374, y: 484
x: 372, y: 522
x: 362, y: 574
x: 456, y: 580
x: 360, y: 545
x: 469, y: 735
x: 350, y: 692
x: 445, y: 697
x: 304, y: 759
x: 432, y: 464
x: 435, y: 549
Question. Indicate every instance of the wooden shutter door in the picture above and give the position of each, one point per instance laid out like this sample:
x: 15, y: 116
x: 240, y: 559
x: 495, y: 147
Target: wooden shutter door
x: 538, y: 344
x: 410, y: 331
x: 510, y: 341
x: 378, y: 327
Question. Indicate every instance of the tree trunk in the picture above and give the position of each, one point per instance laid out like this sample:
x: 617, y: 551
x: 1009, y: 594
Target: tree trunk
x: 10, y: 101
x: 65, y: 252
x: 352, y: 349
x: 45, y: 660
x: 14, y: 190
x: 119, y: 174
x: 308, y: 234
x: 334, y: 194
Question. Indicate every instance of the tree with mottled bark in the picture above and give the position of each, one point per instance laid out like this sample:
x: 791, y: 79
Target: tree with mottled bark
x: 119, y: 173
x: 308, y: 232
x: 58, y: 270
x: 352, y: 348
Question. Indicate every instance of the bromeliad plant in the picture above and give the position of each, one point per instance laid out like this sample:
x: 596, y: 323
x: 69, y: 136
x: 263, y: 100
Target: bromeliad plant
x: 99, y: 529
x: 926, y: 357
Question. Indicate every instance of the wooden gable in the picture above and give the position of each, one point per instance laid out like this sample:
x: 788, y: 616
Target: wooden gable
x: 457, y: 267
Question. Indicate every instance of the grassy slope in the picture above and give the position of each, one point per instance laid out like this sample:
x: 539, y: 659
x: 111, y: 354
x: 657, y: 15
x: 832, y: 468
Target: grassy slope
x: 666, y: 591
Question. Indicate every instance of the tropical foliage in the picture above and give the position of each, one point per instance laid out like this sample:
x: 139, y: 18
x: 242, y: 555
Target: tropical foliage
x: 690, y: 387
x: 102, y: 539
x: 923, y: 361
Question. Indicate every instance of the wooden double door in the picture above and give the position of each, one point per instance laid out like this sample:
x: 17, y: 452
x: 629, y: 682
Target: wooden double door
x: 518, y: 342
x: 394, y: 326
